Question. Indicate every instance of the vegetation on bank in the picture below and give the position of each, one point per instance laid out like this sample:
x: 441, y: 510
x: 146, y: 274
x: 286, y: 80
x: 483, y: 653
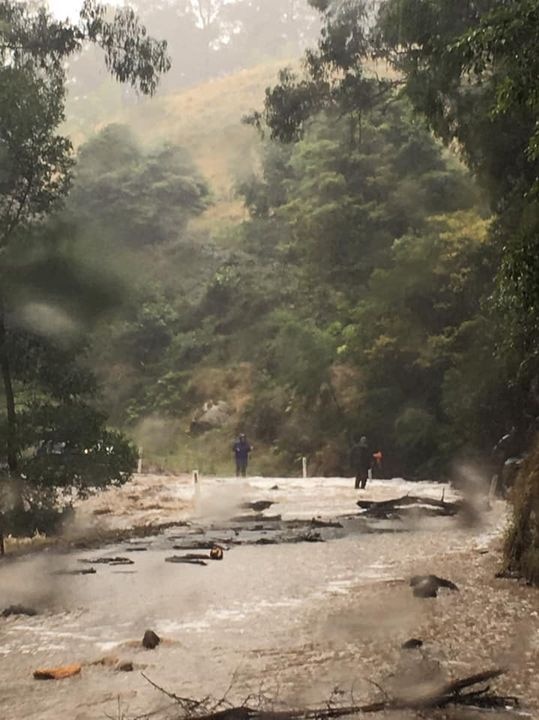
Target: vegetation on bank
x: 522, y: 540
x: 471, y: 69
x: 54, y: 440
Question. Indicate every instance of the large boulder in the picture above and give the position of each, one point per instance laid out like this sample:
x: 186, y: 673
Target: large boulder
x: 211, y: 416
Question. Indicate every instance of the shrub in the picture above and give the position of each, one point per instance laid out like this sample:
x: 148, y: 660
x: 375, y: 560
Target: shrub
x: 522, y: 541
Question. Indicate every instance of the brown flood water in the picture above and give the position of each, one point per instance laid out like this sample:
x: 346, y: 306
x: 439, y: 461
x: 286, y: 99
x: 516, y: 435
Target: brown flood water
x: 294, y: 619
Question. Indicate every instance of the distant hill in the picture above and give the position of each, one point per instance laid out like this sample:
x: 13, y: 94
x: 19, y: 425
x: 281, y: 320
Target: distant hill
x: 206, y: 119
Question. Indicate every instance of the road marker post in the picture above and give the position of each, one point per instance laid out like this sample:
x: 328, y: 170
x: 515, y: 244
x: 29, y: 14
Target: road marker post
x: 139, y: 462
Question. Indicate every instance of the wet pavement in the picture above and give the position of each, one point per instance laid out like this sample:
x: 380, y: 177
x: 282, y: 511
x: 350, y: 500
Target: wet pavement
x: 258, y: 616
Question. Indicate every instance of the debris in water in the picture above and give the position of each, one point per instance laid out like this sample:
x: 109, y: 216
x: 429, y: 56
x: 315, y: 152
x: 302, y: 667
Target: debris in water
x: 478, y: 695
x: 150, y: 640
x: 200, y: 544
x: 257, y: 505
x: 126, y: 666
x: 178, y: 559
x: 18, y: 610
x: 427, y: 586
x: 256, y: 518
x: 310, y: 536
x: 216, y: 553
x: 114, y: 662
x: 412, y: 644
x: 315, y: 522
x: 109, y: 561
x: 60, y: 673
x: 85, y: 571
x: 507, y: 575
x: 410, y: 504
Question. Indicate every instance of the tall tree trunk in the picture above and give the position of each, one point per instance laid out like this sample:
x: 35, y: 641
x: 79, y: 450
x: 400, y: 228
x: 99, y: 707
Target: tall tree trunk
x: 10, y: 412
x: 11, y: 438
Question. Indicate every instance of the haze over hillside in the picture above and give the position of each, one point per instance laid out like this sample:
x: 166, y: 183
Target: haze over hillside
x: 206, y: 119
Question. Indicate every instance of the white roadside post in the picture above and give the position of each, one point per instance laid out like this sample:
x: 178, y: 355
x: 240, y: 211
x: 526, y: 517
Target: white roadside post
x: 139, y: 463
x: 304, y: 466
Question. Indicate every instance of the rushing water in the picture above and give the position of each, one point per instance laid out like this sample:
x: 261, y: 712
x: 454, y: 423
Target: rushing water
x: 230, y: 618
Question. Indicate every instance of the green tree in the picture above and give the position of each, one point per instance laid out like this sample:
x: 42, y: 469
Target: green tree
x: 142, y: 198
x: 36, y: 160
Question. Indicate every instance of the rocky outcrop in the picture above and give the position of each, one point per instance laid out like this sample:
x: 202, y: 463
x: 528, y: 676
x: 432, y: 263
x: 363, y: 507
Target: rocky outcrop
x: 211, y: 416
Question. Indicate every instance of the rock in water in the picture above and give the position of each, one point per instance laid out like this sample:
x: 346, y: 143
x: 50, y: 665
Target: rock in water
x: 216, y: 553
x: 427, y: 586
x: 412, y: 644
x: 150, y: 640
x: 257, y: 505
x: 18, y: 610
x: 125, y: 666
x: 60, y: 673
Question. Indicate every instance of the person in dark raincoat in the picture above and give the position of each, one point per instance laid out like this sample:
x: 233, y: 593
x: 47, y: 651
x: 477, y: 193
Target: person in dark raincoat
x: 361, y: 462
x: 241, y: 449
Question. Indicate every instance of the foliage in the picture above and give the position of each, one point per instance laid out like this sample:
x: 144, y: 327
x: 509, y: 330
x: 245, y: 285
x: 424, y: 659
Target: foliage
x: 359, y: 290
x: 209, y: 38
x: 51, y: 400
x: 522, y: 540
x: 470, y: 68
x: 30, y: 36
x: 142, y: 197
x: 346, y: 290
x: 64, y: 447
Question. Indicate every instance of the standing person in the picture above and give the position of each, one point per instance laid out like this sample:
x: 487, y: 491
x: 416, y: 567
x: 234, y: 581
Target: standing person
x: 241, y: 449
x: 361, y: 462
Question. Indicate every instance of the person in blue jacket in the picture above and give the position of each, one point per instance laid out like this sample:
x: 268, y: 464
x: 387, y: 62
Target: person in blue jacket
x: 241, y: 449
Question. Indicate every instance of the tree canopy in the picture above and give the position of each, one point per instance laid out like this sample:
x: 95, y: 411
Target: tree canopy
x: 43, y: 406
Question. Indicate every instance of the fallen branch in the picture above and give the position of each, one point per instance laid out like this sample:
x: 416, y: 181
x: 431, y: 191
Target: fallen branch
x: 407, y: 504
x: 449, y: 694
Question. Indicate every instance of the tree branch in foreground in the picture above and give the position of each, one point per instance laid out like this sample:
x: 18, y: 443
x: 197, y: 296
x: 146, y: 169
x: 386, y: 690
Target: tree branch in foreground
x: 478, y: 694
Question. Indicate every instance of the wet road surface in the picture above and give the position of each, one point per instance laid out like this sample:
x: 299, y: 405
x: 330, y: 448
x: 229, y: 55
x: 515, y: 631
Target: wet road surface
x: 256, y: 616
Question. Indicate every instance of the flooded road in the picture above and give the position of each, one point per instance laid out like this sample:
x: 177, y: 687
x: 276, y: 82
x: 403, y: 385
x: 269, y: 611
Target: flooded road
x: 285, y: 617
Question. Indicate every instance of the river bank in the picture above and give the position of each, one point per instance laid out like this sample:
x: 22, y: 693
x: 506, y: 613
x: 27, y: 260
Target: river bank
x: 295, y: 619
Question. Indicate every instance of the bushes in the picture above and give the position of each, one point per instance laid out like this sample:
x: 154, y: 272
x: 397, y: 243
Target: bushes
x: 522, y: 541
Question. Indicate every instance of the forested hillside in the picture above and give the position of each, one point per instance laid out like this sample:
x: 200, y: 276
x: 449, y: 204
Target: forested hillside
x: 331, y: 286
x: 347, y: 300
x: 349, y: 251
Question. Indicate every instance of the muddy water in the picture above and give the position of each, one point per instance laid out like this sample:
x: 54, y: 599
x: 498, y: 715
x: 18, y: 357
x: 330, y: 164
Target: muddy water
x: 256, y: 613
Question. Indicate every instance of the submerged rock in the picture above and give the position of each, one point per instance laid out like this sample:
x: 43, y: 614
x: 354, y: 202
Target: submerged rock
x: 18, y: 610
x: 85, y: 571
x: 125, y: 666
x: 185, y: 560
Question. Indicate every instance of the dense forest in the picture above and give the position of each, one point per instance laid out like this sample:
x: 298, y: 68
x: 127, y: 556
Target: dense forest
x: 377, y: 275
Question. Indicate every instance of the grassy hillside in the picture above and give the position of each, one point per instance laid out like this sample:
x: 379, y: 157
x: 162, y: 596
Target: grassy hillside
x: 206, y: 119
